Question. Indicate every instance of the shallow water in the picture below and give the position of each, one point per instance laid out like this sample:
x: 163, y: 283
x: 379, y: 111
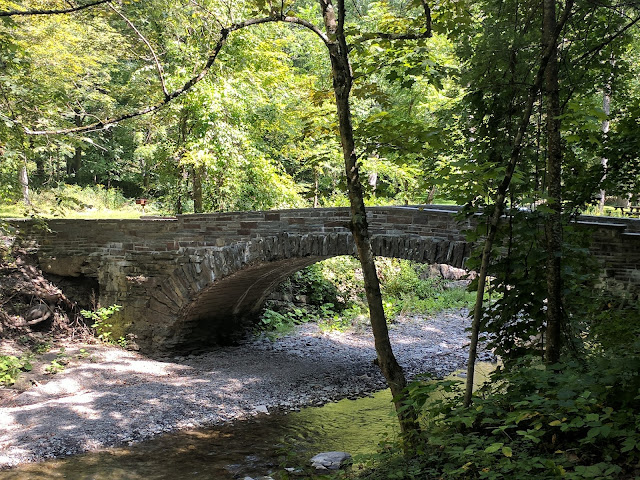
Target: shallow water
x: 252, y: 447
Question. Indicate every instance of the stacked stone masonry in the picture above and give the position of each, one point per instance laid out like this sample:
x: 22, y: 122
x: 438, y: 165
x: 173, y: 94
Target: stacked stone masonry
x: 197, y: 279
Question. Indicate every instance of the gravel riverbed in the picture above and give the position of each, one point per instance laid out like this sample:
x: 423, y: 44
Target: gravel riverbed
x: 108, y: 396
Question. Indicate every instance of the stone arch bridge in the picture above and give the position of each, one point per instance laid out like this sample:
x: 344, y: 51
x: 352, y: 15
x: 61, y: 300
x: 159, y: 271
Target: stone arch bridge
x: 185, y: 281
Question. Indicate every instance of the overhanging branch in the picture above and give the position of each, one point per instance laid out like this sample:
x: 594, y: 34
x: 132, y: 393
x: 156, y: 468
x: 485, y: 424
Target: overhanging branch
x: 13, y: 13
x: 608, y: 40
x: 146, y: 42
x: 427, y: 33
x: 169, y: 96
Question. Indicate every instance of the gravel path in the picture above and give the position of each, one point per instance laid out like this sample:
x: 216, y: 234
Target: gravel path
x: 115, y: 397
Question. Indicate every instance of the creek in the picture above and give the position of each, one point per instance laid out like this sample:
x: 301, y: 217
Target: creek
x: 253, y: 447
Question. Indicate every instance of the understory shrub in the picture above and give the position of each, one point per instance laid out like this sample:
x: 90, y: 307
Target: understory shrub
x: 76, y: 201
x: 11, y: 367
x: 101, y: 323
x: 334, y: 293
x: 577, y: 420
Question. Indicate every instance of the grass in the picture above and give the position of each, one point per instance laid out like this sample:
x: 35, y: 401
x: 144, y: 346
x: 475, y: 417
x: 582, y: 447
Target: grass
x: 72, y: 201
x: 608, y: 212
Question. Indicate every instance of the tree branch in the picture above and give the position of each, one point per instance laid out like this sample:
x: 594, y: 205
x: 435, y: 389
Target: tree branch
x: 427, y: 17
x: 146, y: 42
x: 394, y: 36
x: 403, y: 36
x: 169, y: 96
x: 593, y: 51
x: 12, y: 13
x: 209, y: 12
x: 307, y: 25
x: 608, y: 40
x: 501, y: 193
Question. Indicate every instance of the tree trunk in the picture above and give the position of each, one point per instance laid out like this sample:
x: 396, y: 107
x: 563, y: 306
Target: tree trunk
x: 74, y: 163
x: 606, y: 107
x: 315, y: 187
x: 197, y: 172
x: 23, y: 178
x: 373, y: 182
x: 342, y: 81
x: 40, y: 172
x: 494, y: 219
x: 553, y: 221
x: 432, y: 195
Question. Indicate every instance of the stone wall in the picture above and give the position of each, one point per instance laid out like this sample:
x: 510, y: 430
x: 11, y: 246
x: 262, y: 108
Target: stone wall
x: 198, y: 278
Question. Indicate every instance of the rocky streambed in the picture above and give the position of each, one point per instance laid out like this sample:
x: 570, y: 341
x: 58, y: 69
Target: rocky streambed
x: 108, y: 396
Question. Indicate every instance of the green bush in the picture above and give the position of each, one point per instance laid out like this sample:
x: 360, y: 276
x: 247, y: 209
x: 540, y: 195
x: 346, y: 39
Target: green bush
x: 335, y: 292
x: 104, y: 329
x: 75, y: 201
x: 11, y: 367
x: 577, y: 420
x: 406, y: 289
x: 314, y: 283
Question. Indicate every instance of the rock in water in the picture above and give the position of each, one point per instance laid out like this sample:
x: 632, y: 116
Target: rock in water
x: 330, y: 460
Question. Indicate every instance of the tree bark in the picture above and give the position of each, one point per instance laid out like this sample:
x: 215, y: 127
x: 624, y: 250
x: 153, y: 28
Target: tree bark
x: 40, y: 172
x: 494, y: 219
x: 606, y: 107
x: 342, y: 82
x: 23, y: 179
x: 197, y: 172
x: 553, y: 221
x: 74, y: 163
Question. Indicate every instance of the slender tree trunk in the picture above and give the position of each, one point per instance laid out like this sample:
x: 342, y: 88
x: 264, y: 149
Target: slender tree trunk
x: 40, y: 172
x: 145, y: 177
x: 315, y: 188
x: 405, y: 184
x: 342, y: 81
x: 494, y: 219
x: 432, y: 194
x: 74, y: 162
x: 606, y: 107
x: 197, y: 172
x: 373, y: 182
x: 23, y: 178
x: 553, y: 222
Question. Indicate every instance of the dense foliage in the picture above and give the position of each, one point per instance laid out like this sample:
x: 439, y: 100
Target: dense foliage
x: 528, y: 108
x: 332, y: 293
x: 256, y: 133
x: 577, y: 419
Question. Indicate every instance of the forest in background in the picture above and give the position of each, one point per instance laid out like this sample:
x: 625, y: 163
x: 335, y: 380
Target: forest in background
x: 523, y: 108
x: 258, y: 132
x: 434, y: 115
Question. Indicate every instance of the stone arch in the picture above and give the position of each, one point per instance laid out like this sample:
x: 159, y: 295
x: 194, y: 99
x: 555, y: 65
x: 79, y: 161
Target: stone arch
x: 220, y: 291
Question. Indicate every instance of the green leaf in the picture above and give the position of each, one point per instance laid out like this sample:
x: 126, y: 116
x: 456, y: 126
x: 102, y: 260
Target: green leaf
x: 494, y: 447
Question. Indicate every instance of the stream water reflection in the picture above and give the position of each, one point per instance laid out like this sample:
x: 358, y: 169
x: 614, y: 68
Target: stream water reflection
x: 248, y: 448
